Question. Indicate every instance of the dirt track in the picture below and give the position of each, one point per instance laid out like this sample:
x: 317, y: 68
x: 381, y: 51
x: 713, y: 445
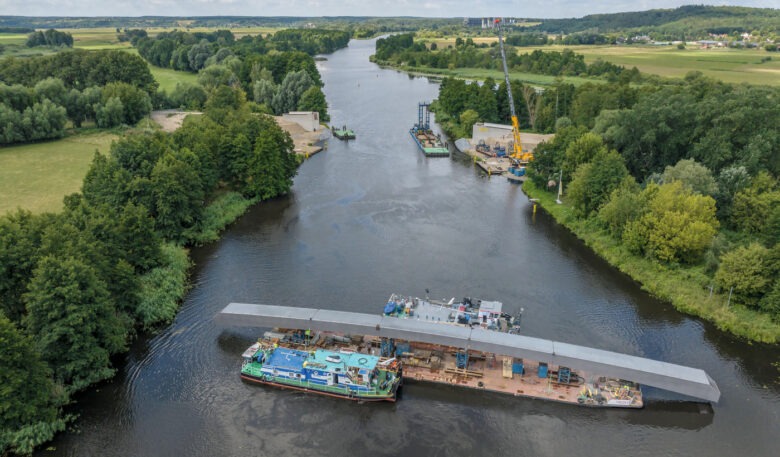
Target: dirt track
x: 171, y: 119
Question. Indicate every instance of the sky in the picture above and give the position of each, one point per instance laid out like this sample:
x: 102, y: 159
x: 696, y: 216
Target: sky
x: 425, y: 8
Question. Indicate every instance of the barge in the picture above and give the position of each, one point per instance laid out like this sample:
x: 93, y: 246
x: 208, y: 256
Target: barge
x: 334, y: 372
x: 488, y: 371
x: 428, y: 142
x: 426, y: 363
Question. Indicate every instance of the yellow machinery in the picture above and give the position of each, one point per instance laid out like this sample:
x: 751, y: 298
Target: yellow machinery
x: 517, y: 148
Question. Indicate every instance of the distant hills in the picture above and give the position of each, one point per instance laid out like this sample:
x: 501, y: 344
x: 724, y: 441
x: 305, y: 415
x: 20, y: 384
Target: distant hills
x: 689, y: 21
x: 393, y: 23
x: 685, y: 19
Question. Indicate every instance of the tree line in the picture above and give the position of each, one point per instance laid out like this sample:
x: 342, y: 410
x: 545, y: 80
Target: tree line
x: 79, y: 69
x: 191, y: 51
x: 536, y: 109
x: 685, y: 175
x: 284, y: 80
x: 74, y: 286
x: 42, y: 111
x: 683, y: 172
x: 402, y: 50
x: 50, y: 37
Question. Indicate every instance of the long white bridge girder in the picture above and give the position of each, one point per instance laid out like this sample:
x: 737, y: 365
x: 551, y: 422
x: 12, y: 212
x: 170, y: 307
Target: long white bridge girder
x: 668, y: 376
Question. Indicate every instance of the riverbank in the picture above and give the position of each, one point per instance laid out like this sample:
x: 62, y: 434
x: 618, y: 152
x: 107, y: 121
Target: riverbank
x: 687, y: 289
x: 162, y: 288
x: 482, y: 74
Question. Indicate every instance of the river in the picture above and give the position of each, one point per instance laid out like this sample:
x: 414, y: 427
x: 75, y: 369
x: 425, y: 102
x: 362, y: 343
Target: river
x: 371, y: 217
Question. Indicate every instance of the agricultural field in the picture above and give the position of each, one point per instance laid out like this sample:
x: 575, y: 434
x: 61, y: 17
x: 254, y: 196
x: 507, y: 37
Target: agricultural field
x: 13, y: 44
x: 36, y: 176
x: 729, y: 65
x: 106, y: 38
x: 238, y: 32
x: 498, y: 75
x: 12, y: 39
x: 100, y: 38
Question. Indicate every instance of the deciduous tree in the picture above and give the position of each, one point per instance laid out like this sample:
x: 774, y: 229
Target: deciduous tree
x: 74, y: 323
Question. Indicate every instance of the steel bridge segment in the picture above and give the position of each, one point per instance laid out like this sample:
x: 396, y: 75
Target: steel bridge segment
x: 688, y: 381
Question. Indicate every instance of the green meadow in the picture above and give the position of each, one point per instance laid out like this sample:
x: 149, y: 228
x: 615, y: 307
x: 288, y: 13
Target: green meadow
x: 36, y: 176
x: 483, y: 73
x: 169, y: 78
x: 725, y: 64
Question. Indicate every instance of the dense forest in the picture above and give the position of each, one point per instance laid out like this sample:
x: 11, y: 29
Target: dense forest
x: 41, y: 94
x: 401, y: 50
x: 278, y: 72
x: 50, y: 37
x: 683, y: 173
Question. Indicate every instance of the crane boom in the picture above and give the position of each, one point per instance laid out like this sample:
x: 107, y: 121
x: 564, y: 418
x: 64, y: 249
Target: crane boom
x: 517, y: 148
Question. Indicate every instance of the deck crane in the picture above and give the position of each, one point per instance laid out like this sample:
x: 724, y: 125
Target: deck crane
x: 517, y: 148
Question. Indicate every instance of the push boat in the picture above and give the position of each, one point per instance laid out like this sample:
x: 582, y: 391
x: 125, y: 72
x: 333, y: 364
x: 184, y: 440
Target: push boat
x: 343, y: 133
x: 335, y: 372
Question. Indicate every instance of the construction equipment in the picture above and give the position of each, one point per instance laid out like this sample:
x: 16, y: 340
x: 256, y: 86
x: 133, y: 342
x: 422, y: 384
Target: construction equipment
x: 517, y: 147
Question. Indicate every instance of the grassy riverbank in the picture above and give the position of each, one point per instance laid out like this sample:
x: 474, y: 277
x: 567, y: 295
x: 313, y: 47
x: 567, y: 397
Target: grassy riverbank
x: 687, y: 289
x: 163, y: 288
x: 481, y: 74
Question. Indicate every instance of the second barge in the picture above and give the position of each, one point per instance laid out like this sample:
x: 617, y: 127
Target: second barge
x: 429, y: 143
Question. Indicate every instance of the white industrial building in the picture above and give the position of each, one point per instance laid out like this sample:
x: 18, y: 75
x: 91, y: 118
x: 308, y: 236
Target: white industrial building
x: 491, y: 133
x: 309, y: 120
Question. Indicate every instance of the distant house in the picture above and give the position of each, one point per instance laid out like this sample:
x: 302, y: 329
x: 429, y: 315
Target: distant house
x: 309, y: 120
x: 711, y: 44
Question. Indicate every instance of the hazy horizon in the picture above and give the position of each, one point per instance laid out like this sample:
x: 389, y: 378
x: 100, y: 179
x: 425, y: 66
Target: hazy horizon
x: 548, y: 9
